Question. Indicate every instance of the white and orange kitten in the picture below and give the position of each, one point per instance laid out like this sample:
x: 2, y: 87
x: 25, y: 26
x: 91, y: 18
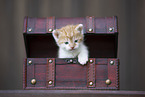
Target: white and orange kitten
x: 70, y: 41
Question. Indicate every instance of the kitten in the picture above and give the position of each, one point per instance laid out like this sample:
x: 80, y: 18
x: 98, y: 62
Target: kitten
x: 70, y: 41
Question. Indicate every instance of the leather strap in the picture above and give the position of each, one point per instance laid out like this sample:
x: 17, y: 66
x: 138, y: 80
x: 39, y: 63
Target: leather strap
x: 115, y: 23
x: 31, y: 25
x: 91, y: 74
x: 112, y: 67
x: 25, y: 74
x: 90, y: 24
x: 25, y: 24
x: 110, y: 23
x: 50, y: 72
x: 50, y: 25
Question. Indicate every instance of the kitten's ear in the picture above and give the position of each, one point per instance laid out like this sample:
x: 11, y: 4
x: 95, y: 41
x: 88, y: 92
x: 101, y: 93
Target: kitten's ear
x: 55, y: 34
x: 79, y: 28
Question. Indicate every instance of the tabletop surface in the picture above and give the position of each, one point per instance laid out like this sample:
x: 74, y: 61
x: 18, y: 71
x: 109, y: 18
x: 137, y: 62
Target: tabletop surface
x: 70, y: 93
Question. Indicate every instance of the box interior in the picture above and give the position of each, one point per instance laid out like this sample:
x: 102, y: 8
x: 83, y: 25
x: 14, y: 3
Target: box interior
x: 44, y: 46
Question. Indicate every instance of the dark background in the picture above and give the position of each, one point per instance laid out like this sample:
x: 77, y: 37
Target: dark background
x: 131, y: 49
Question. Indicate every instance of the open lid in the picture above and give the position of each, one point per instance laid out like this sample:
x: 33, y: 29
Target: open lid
x: 101, y: 35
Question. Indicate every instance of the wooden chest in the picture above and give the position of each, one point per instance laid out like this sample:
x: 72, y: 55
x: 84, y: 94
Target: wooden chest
x: 42, y: 68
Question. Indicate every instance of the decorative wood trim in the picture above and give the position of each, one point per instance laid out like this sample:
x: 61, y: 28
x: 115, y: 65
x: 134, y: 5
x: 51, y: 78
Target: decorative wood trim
x: 112, y: 72
x: 50, y: 24
x: 50, y: 73
x: 71, y: 93
x: 25, y: 74
x: 91, y: 75
x: 90, y: 24
x: 25, y: 24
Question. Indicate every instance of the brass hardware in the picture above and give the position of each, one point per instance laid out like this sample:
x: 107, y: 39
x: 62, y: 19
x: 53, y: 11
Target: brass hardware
x: 30, y: 62
x: 111, y: 62
x: 91, y: 61
x: 50, y: 61
x: 74, y: 61
x: 50, y: 82
x: 90, y: 29
x: 111, y: 29
x: 108, y: 82
x: 50, y: 30
x: 91, y: 83
x: 33, y: 81
x: 30, y: 29
x: 70, y: 60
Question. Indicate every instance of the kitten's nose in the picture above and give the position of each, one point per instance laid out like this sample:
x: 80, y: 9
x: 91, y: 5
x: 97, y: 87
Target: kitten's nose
x: 72, y: 48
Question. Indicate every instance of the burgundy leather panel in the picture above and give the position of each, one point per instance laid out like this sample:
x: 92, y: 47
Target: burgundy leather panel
x: 50, y: 24
x: 61, y: 22
x: 98, y: 24
x: 25, y: 24
x: 101, y: 75
x: 70, y: 75
x: 37, y: 71
x: 111, y: 75
x: 50, y: 72
x: 90, y: 24
x: 25, y: 74
x: 91, y: 73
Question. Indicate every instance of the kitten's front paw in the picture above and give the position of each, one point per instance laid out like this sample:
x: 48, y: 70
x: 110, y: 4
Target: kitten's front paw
x: 83, y: 60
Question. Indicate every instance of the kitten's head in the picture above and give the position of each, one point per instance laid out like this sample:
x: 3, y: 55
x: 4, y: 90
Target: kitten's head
x: 69, y: 37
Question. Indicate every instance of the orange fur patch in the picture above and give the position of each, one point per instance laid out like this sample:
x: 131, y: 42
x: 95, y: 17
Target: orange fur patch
x: 69, y: 34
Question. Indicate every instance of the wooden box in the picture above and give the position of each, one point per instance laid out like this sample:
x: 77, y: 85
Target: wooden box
x: 42, y: 68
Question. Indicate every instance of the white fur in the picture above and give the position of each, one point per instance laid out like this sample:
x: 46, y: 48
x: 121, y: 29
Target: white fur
x: 54, y: 33
x: 81, y: 52
x: 79, y: 28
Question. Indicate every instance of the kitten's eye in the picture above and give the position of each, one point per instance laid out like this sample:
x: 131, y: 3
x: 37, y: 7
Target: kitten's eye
x: 76, y: 40
x: 66, y: 42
